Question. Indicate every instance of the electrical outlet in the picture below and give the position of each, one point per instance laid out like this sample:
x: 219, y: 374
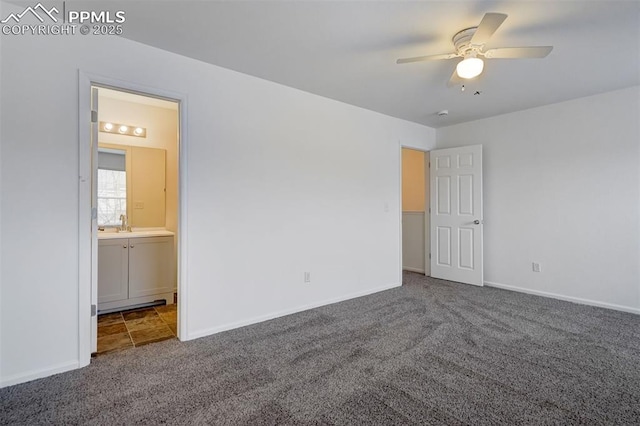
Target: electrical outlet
x: 535, y: 266
x: 307, y: 277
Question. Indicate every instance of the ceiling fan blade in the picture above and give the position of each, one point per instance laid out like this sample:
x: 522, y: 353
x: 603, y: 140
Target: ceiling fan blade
x: 489, y: 24
x: 455, y: 79
x: 518, y: 52
x: 427, y: 58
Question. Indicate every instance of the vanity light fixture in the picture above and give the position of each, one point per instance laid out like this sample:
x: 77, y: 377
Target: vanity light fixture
x: 123, y: 129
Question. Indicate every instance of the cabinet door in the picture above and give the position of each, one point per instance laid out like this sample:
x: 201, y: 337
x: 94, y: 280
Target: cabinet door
x: 113, y: 270
x: 151, y: 266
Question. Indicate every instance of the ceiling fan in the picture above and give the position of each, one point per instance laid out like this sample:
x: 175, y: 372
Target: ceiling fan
x: 469, y: 44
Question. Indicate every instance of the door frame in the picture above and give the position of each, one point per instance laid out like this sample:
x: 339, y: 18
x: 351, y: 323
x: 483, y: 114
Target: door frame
x: 87, y: 238
x: 427, y: 209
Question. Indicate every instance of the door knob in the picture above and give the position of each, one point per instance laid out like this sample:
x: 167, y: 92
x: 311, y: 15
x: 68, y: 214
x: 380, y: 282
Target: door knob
x: 477, y: 222
x: 124, y: 246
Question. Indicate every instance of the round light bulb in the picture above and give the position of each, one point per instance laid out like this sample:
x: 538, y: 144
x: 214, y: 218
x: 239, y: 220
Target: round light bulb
x: 123, y: 129
x: 138, y: 131
x: 108, y: 126
x: 470, y: 67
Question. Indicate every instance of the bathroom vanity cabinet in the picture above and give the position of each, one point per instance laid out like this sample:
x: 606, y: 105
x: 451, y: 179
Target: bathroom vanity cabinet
x: 135, y: 270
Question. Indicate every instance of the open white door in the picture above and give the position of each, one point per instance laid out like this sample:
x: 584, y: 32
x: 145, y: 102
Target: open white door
x: 456, y: 214
x: 94, y: 219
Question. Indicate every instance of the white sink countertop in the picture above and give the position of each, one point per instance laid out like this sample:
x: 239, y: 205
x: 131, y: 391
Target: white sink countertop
x: 111, y: 233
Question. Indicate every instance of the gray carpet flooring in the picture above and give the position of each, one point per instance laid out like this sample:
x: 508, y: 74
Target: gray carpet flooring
x: 429, y: 352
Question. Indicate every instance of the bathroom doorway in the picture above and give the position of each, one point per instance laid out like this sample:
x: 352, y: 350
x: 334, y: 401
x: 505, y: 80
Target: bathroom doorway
x: 134, y: 164
x: 136, y: 197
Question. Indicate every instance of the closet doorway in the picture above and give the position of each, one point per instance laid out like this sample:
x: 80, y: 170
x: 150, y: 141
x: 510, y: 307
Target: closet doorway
x: 415, y: 211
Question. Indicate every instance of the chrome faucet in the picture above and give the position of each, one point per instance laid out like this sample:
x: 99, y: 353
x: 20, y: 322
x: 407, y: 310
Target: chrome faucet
x: 123, y: 222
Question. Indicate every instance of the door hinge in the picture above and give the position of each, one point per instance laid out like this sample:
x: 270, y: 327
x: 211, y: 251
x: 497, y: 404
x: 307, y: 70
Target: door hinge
x: 429, y: 255
x: 94, y: 116
x: 429, y: 209
x: 94, y: 213
x: 94, y: 310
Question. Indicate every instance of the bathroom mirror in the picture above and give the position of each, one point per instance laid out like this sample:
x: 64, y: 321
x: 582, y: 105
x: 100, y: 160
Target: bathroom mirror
x: 131, y: 181
x: 112, y: 186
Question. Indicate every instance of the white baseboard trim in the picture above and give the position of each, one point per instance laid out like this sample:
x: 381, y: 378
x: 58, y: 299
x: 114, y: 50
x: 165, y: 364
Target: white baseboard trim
x: 38, y: 374
x: 255, y: 320
x: 578, y: 300
x: 410, y: 269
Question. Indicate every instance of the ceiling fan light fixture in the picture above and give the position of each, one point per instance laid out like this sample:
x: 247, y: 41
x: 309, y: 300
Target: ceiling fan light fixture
x: 470, y: 67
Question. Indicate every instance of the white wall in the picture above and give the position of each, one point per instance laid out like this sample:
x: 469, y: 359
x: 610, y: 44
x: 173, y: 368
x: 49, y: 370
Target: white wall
x: 562, y: 187
x: 280, y: 182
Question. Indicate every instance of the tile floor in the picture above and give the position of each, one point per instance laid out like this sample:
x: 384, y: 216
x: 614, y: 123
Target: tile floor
x: 136, y: 327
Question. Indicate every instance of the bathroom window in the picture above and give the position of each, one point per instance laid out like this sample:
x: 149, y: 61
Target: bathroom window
x: 112, y: 187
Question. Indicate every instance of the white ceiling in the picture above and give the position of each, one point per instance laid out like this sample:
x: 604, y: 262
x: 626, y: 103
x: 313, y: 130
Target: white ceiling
x: 347, y: 50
